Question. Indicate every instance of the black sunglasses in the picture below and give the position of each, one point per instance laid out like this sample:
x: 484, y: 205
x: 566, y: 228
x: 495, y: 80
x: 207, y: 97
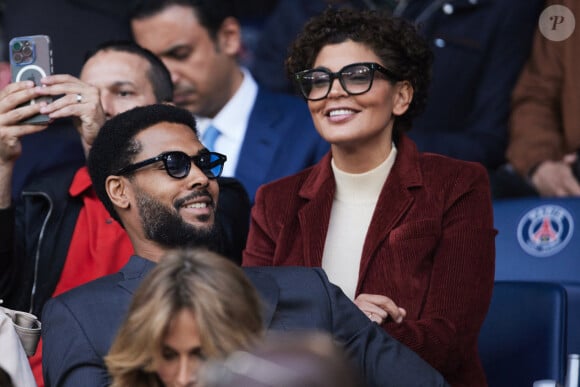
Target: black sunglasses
x: 178, y: 164
x: 355, y: 79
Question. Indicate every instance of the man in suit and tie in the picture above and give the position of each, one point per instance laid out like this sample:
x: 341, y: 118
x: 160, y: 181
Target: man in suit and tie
x: 155, y: 177
x: 264, y: 135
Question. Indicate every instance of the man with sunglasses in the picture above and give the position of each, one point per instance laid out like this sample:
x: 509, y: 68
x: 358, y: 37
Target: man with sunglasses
x: 59, y: 235
x: 157, y: 179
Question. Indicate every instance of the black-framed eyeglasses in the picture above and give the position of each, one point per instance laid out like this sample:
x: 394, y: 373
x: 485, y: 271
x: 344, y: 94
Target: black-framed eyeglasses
x: 178, y: 164
x: 355, y: 79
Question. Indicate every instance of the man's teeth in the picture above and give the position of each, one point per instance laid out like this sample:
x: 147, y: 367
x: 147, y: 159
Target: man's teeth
x: 196, y: 205
x: 339, y: 112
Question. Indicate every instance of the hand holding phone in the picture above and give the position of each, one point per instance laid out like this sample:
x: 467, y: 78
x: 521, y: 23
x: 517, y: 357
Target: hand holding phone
x: 31, y: 60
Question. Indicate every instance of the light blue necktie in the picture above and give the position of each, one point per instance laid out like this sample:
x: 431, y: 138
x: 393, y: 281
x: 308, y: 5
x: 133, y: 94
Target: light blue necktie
x: 210, y: 136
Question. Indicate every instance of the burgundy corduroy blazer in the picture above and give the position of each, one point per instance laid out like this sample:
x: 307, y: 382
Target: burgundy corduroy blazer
x: 430, y: 248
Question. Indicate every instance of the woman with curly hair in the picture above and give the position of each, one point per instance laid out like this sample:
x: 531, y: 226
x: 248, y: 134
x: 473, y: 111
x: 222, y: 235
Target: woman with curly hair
x: 194, y: 305
x: 408, y: 236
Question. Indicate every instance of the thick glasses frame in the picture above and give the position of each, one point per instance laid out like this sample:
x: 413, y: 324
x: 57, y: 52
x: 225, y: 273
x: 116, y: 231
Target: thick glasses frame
x: 301, y: 76
x: 205, y: 161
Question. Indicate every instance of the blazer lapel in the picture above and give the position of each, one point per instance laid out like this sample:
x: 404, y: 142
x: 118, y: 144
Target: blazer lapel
x: 394, y: 200
x: 260, y: 143
x: 267, y: 289
x: 134, y: 272
x: 318, y: 190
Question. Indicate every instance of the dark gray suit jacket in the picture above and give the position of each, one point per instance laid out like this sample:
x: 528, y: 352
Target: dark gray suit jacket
x: 79, y: 326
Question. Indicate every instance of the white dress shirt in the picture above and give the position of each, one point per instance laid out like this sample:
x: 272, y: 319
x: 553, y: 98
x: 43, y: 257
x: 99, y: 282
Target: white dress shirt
x: 232, y: 122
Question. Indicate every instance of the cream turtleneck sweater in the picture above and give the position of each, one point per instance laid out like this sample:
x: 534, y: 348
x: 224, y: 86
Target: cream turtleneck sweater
x: 352, y: 209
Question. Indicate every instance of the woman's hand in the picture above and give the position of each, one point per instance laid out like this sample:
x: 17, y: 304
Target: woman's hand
x: 378, y: 308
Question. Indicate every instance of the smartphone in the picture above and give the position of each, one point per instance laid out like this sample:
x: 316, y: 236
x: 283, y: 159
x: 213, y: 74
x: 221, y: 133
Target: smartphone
x: 31, y: 60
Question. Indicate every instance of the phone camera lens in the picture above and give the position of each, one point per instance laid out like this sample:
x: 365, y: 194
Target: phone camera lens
x: 26, y: 51
x: 17, y: 57
x: 17, y: 46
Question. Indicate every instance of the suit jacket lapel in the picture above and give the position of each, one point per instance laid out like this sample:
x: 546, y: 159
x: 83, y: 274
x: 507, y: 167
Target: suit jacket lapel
x: 318, y: 190
x: 134, y: 272
x: 268, y: 290
x: 394, y: 200
x: 260, y: 143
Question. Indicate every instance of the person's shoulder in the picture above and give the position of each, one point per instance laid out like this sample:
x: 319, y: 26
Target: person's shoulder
x: 285, y: 186
x: 293, y: 107
x: 96, y: 288
x: 445, y: 164
x: 278, y: 97
x: 58, y: 178
x: 97, y: 303
x: 447, y: 171
x: 231, y: 186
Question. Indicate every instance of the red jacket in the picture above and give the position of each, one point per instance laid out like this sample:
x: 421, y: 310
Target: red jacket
x: 430, y: 248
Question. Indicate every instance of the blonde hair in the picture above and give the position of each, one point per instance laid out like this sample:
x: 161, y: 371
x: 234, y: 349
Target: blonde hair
x: 225, y: 304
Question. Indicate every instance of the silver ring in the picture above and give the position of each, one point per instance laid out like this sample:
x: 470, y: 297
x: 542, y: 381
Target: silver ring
x: 79, y: 98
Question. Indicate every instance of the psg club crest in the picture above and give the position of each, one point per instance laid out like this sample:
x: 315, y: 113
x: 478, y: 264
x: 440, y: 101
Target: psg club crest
x: 545, y: 230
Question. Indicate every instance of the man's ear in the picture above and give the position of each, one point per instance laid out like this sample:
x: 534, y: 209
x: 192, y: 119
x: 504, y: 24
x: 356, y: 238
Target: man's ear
x: 402, y: 98
x: 116, y: 188
x: 229, y: 37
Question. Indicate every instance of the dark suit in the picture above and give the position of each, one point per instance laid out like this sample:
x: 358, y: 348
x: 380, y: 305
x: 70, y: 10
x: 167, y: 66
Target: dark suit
x: 280, y: 140
x: 480, y: 48
x: 79, y: 326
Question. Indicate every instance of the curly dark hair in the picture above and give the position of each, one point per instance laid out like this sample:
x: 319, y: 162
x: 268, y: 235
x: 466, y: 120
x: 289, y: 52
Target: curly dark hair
x: 395, y: 41
x: 115, y: 146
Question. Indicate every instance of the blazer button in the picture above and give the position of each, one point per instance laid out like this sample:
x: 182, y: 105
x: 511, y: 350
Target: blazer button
x: 448, y: 9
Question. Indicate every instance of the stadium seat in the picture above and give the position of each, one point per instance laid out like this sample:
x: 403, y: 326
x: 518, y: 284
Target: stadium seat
x: 538, y: 241
x: 523, y: 337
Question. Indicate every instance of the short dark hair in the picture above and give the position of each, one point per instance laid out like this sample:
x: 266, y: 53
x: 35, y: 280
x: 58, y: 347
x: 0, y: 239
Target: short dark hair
x: 115, y: 146
x: 210, y: 13
x: 158, y: 74
x: 396, y: 41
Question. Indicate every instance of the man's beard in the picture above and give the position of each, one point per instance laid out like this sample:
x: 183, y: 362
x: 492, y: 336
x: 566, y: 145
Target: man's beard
x: 167, y: 228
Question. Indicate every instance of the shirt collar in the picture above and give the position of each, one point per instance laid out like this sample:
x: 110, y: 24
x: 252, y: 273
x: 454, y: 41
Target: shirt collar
x: 232, y: 119
x: 80, y: 183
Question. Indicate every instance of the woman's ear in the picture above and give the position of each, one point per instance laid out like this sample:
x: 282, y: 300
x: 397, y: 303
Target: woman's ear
x: 402, y: 98
x: 116, y: 188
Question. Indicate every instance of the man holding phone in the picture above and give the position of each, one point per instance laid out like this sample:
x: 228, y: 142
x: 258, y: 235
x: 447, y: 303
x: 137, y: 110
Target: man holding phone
x: 59, y: 235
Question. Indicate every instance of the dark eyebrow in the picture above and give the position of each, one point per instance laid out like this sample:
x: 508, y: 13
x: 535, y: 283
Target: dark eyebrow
x: 197, y: 351
x: 172, y: 51
x: 120, y: 84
